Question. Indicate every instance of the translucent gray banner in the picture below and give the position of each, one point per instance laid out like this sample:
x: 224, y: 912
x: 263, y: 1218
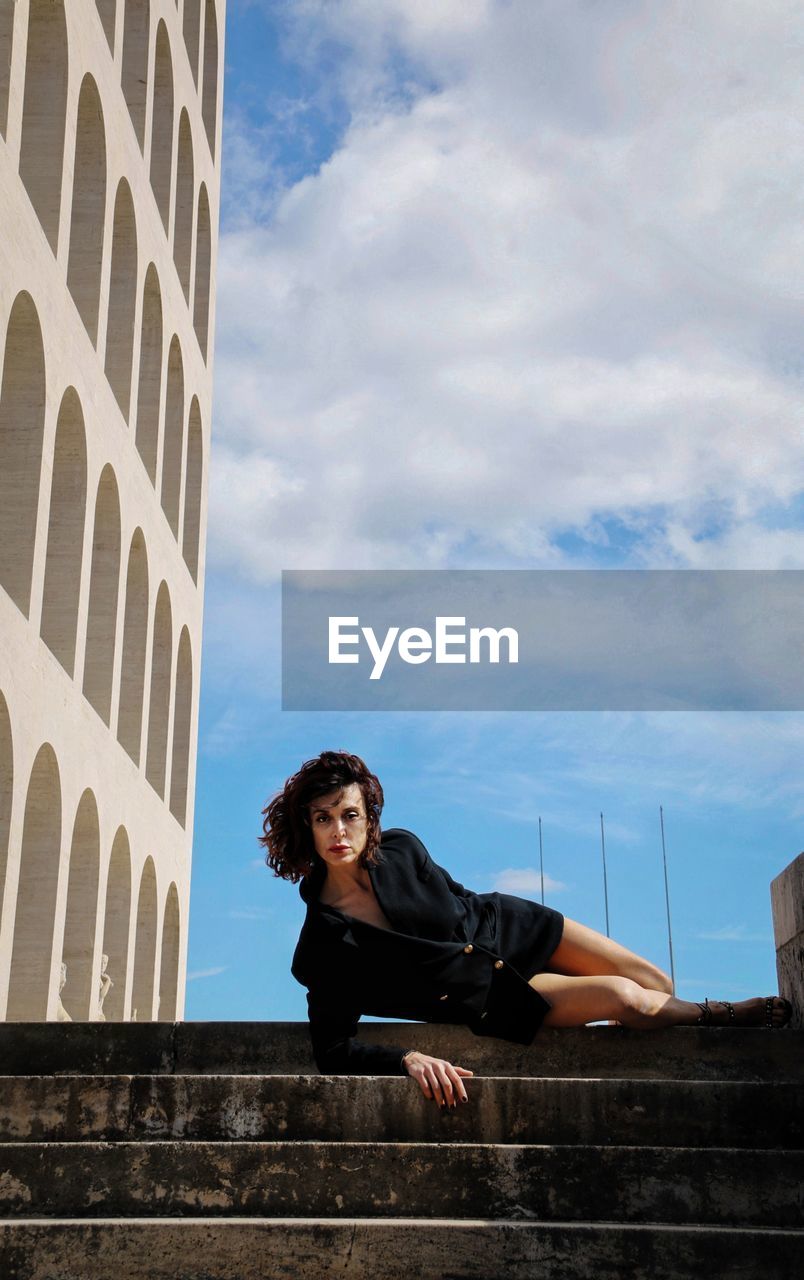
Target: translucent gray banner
x: 543, y: 640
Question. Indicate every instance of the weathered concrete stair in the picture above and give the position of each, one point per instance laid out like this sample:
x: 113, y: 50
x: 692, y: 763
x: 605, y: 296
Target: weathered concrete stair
x: 213, y: 1151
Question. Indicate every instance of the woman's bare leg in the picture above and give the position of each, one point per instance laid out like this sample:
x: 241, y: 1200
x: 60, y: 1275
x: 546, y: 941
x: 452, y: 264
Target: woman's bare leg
x: 593, y: 998
x: 583, y: 952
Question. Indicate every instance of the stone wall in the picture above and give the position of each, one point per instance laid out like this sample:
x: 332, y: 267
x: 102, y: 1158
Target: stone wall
x: 787, y: 902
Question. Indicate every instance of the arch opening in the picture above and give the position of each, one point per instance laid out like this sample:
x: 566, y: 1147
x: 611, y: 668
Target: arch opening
x: 22, y: 426
x: 192, y: 32
x: 159, y: 703
x: 149, y: 391
x: 103, y: 591
x: 182, y: 721
x: 122, y: 299
x: 65, y: 535
x: 85, y: 262
x: 185, y: 196
x: 193, y: 484
x: 169, y: 963
x: 44, y: 112
x: 78, y: 949
x: 107, y: 10
x: 203, y: 267
x: 116, y: 927
x: 142, y: 995
x: 173, y: 442
x: 135, y: 638
x: 34, y: 921
x: 209, y: 98
x: 6, y: 40
x: 134, y: 78
x: 6, y: 791
x: 162, y: 125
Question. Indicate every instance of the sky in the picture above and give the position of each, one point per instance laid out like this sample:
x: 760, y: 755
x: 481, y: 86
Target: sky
x: 505, y: 284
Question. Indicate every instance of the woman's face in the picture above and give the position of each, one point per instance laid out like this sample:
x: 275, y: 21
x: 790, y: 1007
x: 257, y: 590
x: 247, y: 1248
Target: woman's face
x: 339, y: 825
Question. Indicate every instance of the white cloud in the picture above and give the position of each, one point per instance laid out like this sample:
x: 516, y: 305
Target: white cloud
x: 549, y: 275
x: 206, y: 973
x: 525, y: 880
x: 683, y: 760
x: 735, y: 933
x: 252, y: 180
x: 744, y: 544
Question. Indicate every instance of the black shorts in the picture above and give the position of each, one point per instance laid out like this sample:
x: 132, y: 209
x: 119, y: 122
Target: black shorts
x: 526, y: 935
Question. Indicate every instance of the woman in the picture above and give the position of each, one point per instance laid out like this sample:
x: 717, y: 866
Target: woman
x: 388, y: 932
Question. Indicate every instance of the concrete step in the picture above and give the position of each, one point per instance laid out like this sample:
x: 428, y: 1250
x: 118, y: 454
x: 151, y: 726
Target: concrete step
x: 393, y: 1109
x: 238, y: 1249
x: 283, y: 1048
x: 680, y: 1185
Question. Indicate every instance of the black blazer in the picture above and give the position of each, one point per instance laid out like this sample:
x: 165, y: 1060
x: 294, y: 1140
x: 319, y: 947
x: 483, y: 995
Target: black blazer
x: 436, y: 964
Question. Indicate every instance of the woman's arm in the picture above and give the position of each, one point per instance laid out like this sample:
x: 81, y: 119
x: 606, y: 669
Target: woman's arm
x: 337, y: 1051
x: 437, y: 1078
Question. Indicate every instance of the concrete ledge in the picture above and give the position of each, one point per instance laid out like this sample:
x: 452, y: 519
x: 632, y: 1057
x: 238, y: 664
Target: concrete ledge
x: 283, y: 1048
x: 677, y: 1113
x: 790, y: 968
x: 234, y: 1249
x: 311, y: 1179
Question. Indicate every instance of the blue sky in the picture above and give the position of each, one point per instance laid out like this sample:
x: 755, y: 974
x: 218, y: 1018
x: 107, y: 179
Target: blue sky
x: 504, y: 284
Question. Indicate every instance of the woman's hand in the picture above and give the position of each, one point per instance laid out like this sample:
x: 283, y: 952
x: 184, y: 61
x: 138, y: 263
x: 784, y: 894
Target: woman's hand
x: 437, y: 1079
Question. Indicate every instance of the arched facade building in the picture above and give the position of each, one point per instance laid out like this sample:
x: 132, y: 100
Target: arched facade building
x: 110, y: 118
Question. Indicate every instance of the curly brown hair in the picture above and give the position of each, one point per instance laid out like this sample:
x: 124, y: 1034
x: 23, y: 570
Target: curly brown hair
x: 287, y: 836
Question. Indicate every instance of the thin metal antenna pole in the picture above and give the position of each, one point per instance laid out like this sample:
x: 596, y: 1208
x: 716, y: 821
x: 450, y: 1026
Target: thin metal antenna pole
x: 541, y: 858
x: 605, y: 878
x: 667, y: 901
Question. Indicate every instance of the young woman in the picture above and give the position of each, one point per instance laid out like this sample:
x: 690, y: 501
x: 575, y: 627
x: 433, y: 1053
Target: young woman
x: 388, y: 932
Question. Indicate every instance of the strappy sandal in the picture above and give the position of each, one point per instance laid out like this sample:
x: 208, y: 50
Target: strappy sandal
x: 706, y: 1018
x: 787, y: 1008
